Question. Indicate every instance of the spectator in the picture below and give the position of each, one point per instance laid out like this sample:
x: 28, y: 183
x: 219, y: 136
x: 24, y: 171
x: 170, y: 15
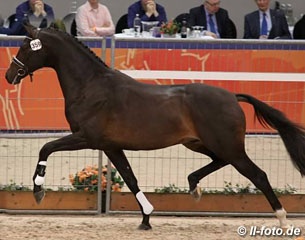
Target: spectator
x: 94, y: 19
x: 36, y: 12
x: 214, y: 19
x: 148, y: 10
x: 299, y: 29
x: 266, y: 23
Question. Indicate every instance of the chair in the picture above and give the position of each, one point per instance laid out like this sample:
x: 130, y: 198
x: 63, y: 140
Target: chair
x: 9, y: 21
x: 299, y: 29
x: 69, y: 21
x: 233, y: 28
x: 73, y: 29
x: 121, y: 24
x: 183, y: 17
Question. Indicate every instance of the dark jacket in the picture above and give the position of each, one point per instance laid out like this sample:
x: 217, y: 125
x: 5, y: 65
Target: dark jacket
x: 279, y: 25
x: 136, y: 8
x: 25, y: 13
x: 299, y: 29
x: 225, y: 28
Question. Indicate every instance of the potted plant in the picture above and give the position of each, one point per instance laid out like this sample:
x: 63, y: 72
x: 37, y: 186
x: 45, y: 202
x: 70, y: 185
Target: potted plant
x: 169, y: 29
x: 235, y: 199
x: 83, y: 195
x: 19, y: 197
x: 87, y: 179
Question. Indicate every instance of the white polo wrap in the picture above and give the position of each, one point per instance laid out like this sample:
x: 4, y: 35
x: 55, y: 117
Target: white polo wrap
x: 147, y: 207
x: 281, y: 216
x: 39, y: 180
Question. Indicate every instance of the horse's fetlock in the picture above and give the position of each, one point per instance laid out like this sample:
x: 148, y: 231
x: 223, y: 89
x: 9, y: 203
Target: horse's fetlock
x: 193, y: 181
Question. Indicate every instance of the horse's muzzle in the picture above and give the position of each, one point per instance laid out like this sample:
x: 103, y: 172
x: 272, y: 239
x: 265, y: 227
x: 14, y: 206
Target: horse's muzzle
x: 12, y: 78
x: 17, y: 71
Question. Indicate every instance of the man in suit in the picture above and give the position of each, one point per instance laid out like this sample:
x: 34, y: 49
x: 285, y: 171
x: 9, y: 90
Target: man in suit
x: 214, y: 19
x: 266, y: 23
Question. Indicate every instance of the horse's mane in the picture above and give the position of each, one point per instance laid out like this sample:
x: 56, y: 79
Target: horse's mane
x: 77, y: 41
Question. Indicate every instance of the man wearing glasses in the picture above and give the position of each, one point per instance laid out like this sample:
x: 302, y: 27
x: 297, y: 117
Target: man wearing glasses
x: 266, y: 23
x: 213, y: 18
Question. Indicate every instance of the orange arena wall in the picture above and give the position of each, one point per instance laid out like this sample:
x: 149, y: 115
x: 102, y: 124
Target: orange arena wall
x: 39, y: 105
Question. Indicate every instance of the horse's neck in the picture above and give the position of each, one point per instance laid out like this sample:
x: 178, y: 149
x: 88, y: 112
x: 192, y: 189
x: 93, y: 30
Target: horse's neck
x: 74, y: 70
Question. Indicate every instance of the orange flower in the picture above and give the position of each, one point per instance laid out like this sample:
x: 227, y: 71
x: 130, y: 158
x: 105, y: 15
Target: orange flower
x: 116, y: 187
x: 94, y: 182
x: 104, y: 170
x: 71, y: 178
x: 87, y: 180
x: 170, y: 27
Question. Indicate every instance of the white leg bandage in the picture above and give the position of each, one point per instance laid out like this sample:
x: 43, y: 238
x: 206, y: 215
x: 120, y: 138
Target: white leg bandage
x: 39, y: 180
x: 281, y: 216
x: 147, y: 207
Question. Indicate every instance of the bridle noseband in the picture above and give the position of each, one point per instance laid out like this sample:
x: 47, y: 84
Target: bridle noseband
x: 22, y: 70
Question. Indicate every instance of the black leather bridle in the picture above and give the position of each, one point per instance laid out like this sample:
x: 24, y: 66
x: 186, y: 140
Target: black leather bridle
x: 22, y: 70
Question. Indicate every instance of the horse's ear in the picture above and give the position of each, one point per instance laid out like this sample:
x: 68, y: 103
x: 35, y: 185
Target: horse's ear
x: 31, y: 30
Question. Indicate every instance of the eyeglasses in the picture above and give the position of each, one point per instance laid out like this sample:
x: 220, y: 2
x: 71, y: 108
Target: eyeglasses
x: 213, y: 4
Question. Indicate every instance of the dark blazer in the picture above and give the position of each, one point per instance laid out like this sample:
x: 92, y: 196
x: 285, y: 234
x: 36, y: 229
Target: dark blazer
x: 136, y: 8
x: 25, y: 13
x: 279, y: 25
x: 299, y: 29
x: 198, y: 18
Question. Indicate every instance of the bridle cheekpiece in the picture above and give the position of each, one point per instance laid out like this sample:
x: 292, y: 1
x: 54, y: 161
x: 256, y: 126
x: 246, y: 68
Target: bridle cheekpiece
x: 22, y: 70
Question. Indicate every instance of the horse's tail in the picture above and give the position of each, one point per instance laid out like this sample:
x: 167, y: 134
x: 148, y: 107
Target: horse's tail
x: 293, y: 135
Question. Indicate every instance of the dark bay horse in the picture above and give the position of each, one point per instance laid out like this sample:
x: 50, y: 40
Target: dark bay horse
x: 110, y: 111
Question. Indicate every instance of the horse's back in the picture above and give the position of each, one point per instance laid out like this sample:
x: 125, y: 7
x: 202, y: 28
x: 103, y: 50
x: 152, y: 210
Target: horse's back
x: 210, y: 98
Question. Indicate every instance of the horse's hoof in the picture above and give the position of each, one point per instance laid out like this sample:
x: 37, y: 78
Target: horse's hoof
x: 197, y: 193
x: 39, y: 196
x: 144, y: 227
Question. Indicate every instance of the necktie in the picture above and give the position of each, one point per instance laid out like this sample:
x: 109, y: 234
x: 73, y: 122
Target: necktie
x: 211, y: 23
x: 264, y: 28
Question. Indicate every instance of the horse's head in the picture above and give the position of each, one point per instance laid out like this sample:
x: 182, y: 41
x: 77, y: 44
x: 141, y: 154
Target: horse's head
x: 30, y: 57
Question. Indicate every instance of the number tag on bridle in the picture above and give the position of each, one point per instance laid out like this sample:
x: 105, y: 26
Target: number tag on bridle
x: 36, y: 45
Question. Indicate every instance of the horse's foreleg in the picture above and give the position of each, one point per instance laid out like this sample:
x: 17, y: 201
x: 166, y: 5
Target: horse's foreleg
x: 70, y: 142
x: 121, y: 163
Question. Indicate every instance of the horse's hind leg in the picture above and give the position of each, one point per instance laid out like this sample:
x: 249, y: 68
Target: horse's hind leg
x: 197, y: 175
x: 70, y: 142
x: 121, y: 163
x: 259, y: 178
